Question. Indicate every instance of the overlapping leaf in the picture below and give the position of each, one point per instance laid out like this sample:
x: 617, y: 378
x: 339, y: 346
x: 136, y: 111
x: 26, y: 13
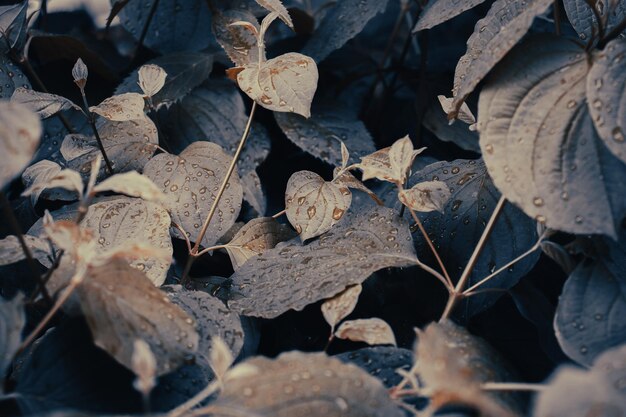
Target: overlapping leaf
x: 381, y: 362
x: 11, y: 326
x: 291, y: 276
x: 282, y: 387
x: 277, y: 7
x: 44, y: 104
x: 239, y: 43
x: 13, y: 25
x: 436, y: 121
x: 121, y: 108
x: 584, y: 20
x: 191, y: 182
x: 341, y: 305
x: 438, y: 11
x: 45, y: 176
x: 11, y: 250
x: 20, y: 131
x: 11, y: 77
x: 494, y: 36
x: 540, y: 144
x: 320, y: 134
x: 373, y: 331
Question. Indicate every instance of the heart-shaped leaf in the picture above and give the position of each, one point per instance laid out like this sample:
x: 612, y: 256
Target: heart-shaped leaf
x: 292, y: 276
x: 283, y: 387
x: 286, y: 83
x: 313, y: 205
x: 190, y: 183
x: 341, y: 305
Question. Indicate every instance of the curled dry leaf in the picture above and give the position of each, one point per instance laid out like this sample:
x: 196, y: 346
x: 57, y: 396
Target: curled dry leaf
x: 281, y: 387
x: 11, y: 250
x: 46, y: 175
x: 254, y: 238
x: 151, y: 79
x: 373, y: 331
x: 12, y: 321
x: 438, y: 11
x: 313, y: 205
x: 190, y: 183
x: 121, y: 305
x: 392, y: 163
x: 132, y: 184
x: 286, y: 83
x: 80, y: 73
x: 20, y: 131
x: 426, y: 196
x: 143, y: 364
x: 221, y: 357
x: 121, y: 108
x: 464, y: 114
x: 44, y: 104
x: 292, y: 276
x: 460, y: 134
x: 277, y: 7
x: 341, y: 305
x: 239, y: 42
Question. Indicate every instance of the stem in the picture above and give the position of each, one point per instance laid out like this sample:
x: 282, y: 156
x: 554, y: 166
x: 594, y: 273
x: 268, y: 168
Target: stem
x: 196, y: 399
x: 436, y: 274
x: 280, y: 213
x: 92, y: 123
x: 556, y: 9
x: 458, y: 290
x: 209, y: 249
x: 512, y: 386
x: 144, y: 31
x: 41, y: 284
x: 17, y: 230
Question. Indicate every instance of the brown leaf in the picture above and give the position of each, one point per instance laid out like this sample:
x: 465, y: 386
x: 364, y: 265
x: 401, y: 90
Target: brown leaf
x: 190, y: 183
x: 121, y: 304
x: 300, y: 384
x: 426, y: 196
x: 372, y: 331
x: 121, y: 108
x: 254, y: 238
x: 20, y: 131
x: 286, y: 83
x: 392, y: 163
x: 313, y: 205
x: 341, y: 305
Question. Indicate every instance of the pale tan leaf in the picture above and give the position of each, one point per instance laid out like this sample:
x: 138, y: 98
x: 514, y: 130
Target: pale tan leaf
x: 439, y: 11
x: 372, y: 331
x: 121, y: 108
x: 345, y: 155
x: 277, y: 7
x: 80, y: 73
x: 45, y: 175
x: 11, y: 249
x: 464, y: 113
x: 77, y: 242
x: 426, y: 196
x: 286, y: 83
x: 20, y: 131
x: 238, y: 41
x: 298, y: 384
x: 132, y: 184
x: 151, y: 79
x: 254, y: 238
x: 341, y: 305
x: 392, y: 163
x: 313, y: 205
x: 44, y: 104
x: 121, y: 305
x: 75, y: 145
x: 221, y: 357
x: 190, y: 182
x: 346, y: 179
x: 143, y: 364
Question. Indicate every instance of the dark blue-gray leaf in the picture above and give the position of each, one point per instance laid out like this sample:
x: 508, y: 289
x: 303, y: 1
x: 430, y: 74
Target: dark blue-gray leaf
x: 11, y: 77
x: 13, y: 25
x: 584, y: 20
x: 12, y: 320
x: 381, y: 362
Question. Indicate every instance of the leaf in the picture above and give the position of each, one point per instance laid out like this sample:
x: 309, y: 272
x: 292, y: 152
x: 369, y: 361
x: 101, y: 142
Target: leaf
x: 458, y: 133
x: 381, y: 362
x: 45, y: 105
x: 426, y: 196
x: 292, y: 276
x: 343, y: 22
x: 151, y: 79
x: 596, y: 391
x: 132, y: 184
x: 286, y: 83
x: 119, y: 221
x: 277, y: 7
x: 221, y: 357
x: 560, y: 173
x: 313, y: 205
x: 129, y: 145
x: 593, y: 297
x: 121, y: 108
x: 143, y: 365
x: 11, y: 326
x: 464, y: 114
x: 372, y: 331
x: 341, y: 305
x: 262, y: 386
x: 254, y: 238
x: 121, y: 304
x: 179, y: 386
x: 606, y: 94
x: 185, y: 71
x: 438, y: 11
x: 54, y: 132
x: 238, y: 42
x: 494, y: 36
x: 44, y: 176
x: 319, y: 135
x: 80, y: 73
x: 452, y: 364
x: 77, y: 145
x: 390, y: 164
x: 253, y: 192
x: 190, y: 183
x: 20, y: 130
x: 583, y: 20
x: 182, y: 24
x: 13, y: 26
x: 212, y: 319
x: 11, y: 249
x: 456, y: 231
x: 348, y: 180
x: 116, y: 7
x: 11, y: 77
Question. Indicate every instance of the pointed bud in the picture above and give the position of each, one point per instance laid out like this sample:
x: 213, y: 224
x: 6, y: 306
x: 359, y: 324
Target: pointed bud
x: 80, y: 73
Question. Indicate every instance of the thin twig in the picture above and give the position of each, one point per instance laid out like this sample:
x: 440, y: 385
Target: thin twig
x: 209, y: 249
x: 92, y: 123
x: 280, y: 213
x: 185, y: 236
x: 512, y: 386
x: 556, y: 10
x: 144, y: 31
x: 458, y: 290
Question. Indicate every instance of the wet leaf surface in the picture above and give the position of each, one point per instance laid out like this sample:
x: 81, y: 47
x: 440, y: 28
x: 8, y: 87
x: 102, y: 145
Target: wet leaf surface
x: 438, y: 11
x: 381, y: 362
x: 20, y: 132
x: 11, y: 326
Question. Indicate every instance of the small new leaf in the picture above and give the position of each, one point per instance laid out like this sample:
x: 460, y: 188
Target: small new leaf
x: 372, y: 331
x: 341, y: 305
x: 390, y: 164
x: 47, y: 175
x: 143, y: 364
x: 426, y: 196
x: 80, y: 74
x: 121, y: 108
x: 277, y: 7
x: 151, y: 79
x: 464, y: 113
x: 221, y: 357
x: 132, y: 184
